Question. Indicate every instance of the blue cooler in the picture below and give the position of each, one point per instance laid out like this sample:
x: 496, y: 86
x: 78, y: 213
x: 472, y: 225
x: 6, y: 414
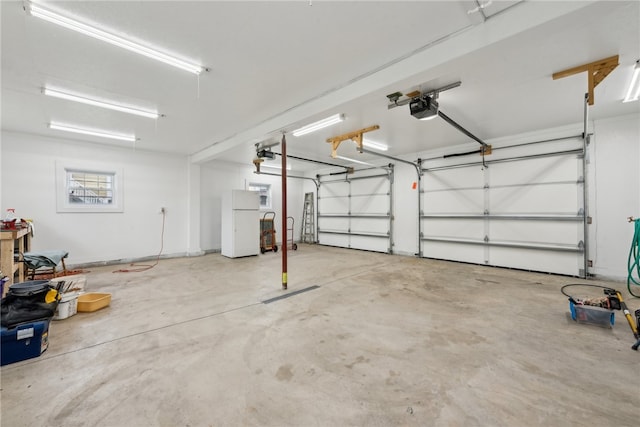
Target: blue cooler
x: 24, y: 341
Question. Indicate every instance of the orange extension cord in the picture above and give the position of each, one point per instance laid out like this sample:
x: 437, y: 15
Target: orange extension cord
x: 144, y: 267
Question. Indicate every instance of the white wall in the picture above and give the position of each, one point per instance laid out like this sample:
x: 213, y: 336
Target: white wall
x: 218, y: 177
x: 151, y: 180
x: 615, y: 192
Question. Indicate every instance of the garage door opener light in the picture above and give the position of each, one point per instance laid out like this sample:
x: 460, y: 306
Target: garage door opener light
x: 84, y: 100
x: 92, y: 132
x: 55, y: 18
x: 424, y: 108
x: 320, y: 124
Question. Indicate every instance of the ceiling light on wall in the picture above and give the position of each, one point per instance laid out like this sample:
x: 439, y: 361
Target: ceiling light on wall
x: 336, y: 118
x: 375, y: 145
x: 424, y: 108
x: 40, y: 12
x: 92, y: 132
x: 633, y: 93
x: 84, y: 100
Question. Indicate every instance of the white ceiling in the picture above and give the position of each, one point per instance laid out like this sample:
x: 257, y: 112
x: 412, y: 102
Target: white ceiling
x: 277, y: 65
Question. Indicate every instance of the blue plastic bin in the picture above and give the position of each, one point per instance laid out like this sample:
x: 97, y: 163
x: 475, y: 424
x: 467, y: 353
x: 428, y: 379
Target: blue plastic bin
x: 24, y: 342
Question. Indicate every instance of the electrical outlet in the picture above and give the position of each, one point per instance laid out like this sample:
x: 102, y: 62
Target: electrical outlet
x: 163, y: 210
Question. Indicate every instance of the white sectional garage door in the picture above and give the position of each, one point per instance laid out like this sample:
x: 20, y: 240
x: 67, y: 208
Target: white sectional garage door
x: 524, y: 210
x: 356, y: 212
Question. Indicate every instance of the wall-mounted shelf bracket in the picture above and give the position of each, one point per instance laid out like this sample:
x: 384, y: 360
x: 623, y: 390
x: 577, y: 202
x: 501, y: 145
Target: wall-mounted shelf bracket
x: 596, y: 72
x: 355, y: 136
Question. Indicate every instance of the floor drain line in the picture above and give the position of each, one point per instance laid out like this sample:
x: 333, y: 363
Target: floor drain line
x: 290, y: 294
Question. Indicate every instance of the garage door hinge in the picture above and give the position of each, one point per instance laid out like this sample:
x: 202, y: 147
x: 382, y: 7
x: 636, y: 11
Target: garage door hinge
x: 590, y: 263
x: 589, y: 220
x: 486, y: 212
x: 486, y: 239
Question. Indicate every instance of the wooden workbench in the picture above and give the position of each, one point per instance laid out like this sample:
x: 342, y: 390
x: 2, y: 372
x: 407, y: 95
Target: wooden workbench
x: 10, y: 239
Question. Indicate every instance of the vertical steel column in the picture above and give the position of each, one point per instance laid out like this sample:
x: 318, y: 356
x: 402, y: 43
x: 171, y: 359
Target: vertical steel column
x: 284, y: 211
x: 585, y: 192
x: 390, y: 179
x: 419, y: 253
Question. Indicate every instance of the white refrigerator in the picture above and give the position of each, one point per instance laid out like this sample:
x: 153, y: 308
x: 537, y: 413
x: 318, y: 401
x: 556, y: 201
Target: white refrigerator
x: 240, y: 223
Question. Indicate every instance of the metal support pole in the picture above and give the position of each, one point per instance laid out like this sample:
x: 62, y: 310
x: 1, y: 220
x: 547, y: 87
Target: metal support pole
x: 419, y: 167
x: 585, y: 192
x: 391, y: 178
x: 284, y: 212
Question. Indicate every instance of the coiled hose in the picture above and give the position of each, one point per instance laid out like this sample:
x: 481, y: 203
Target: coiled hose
x: 634, y: 258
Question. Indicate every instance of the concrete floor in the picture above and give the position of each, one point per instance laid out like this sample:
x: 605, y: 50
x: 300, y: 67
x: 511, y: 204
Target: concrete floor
x: 384, y: 340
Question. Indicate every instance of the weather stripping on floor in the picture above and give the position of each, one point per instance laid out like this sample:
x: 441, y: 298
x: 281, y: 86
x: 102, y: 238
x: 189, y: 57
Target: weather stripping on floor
x: 290, y: 294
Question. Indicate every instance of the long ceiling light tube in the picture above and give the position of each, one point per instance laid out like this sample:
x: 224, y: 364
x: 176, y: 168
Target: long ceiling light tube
x: 349, y: 159
x: 633, y: 93
x: 320, y: 124
x: 42, y: 13
x: 92, y: 132
x: 375, y: 145
x: 84, y: 100
x: 267, y: 165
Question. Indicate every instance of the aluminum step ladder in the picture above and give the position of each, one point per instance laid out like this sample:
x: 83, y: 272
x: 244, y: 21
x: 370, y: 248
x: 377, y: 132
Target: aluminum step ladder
x: 308, y: 231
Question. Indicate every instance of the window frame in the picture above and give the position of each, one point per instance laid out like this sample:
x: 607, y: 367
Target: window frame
x: 267, y: 187
x: 62, y: 190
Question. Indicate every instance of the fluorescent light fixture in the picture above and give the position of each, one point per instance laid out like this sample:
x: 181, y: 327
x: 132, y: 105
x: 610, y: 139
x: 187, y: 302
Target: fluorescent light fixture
x: 375, y: 145
x: 55, y: 18
x: 274, y: 166
x: 349, y: 159
x: 63, y: 95
x: 336, y: 118
x: 92, y: 132
x: 633, y: 93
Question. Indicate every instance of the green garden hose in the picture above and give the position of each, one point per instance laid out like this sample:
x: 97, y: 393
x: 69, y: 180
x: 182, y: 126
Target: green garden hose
x: 634, y: 258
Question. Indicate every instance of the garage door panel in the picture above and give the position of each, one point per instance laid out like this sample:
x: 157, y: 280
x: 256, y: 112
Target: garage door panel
x: 369, y: 186
x: 541, y: 170
x: 366, y: 225
x: 532, y: 231
x: 541, y: 184
x: 339, y: 240
x: 375, y: 244
x: 460, y: 201
x: 453, y: 251
x: 453, y: 178
x: 334, y: 224
x: 560, y: 199
x: 334, y: 188
x: 531, y: 259
x: 364, y: 206
x: 334, y: 205
x: 455, y: 228
x: 378, y: 204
